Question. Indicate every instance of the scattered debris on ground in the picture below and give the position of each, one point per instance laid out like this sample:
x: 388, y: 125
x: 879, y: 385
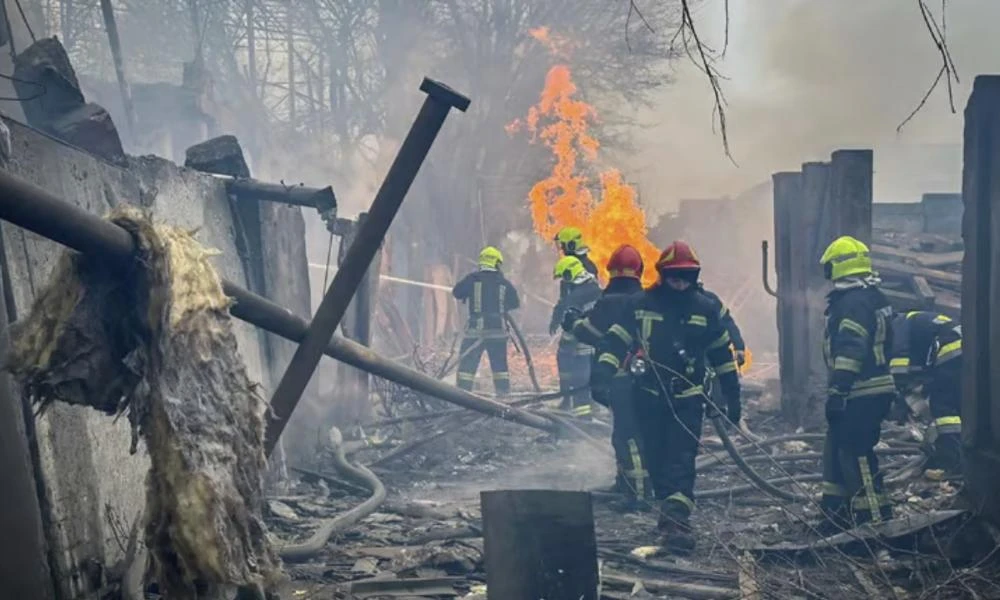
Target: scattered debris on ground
x: 425, y: 541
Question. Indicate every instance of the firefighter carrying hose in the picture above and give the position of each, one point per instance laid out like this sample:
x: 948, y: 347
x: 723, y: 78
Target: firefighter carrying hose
x: 857, y: 341
x: 665, y: 339
x: 489, y: 296
x: 578, y: 290
x: 927, y: 351
x: 570, y: 241
x: 625, y: 270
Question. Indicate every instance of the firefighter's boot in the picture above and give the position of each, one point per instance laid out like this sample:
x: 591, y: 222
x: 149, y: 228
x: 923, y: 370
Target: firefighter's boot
x: 834, y: 517
x: 677, y: 536
x: 946, y: 455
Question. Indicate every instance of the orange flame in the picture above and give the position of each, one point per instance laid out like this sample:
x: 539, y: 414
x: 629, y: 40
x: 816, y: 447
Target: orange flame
x: 564, y: 197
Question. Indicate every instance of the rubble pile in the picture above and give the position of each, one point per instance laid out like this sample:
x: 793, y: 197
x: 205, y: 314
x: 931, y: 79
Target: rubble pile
x: 425, y: 541
x: 153, y: 339
x: 920, y: 270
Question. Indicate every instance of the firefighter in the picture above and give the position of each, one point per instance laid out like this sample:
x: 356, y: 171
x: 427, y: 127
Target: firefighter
x: 625, y: 268
x: 578, y: 290
x: 666, y: 338
x: 927, y: 351
x: 570, y: 240
x: 737, y: 344
x: 489, y: 297
x: 857, y: 341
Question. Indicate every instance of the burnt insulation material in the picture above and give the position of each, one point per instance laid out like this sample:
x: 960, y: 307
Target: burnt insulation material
x: 155, y: 342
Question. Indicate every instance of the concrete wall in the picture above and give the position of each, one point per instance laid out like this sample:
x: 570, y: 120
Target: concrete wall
x: 91, y: 484
x: 904, y: 217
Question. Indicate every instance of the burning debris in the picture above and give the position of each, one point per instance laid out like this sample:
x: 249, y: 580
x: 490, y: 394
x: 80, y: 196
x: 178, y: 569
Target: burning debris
x: 152, y: 339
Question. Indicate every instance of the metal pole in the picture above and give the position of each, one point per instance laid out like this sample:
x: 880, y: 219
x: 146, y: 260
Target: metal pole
x: 322, y: 199
x: 440, y: 99
x: 116, y: 55
x: 36, y: 210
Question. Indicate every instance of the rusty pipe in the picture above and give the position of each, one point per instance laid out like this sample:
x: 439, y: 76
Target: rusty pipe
x: 32, y: 208
x: 439, y: 101
x: 763, y: 269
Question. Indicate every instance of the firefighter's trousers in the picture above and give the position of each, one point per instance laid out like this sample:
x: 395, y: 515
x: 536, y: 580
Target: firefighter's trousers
x: 944, y: 393
x: 471, y: 352
x: 671, y: 432
x: 626, y: 439
x: 573, y: 360
x: 852, y: 486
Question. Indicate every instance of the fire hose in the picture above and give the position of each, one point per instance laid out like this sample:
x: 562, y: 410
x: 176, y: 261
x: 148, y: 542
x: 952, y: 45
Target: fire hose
x: 520, y: 341
x: 761, y: 483
x: 318, y: 540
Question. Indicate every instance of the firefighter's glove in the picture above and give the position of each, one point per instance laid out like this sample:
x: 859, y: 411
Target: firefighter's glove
x: 836, y: 405
x: 741, y: 358
x: 553, y: 326
x: 570, y: 318
x: 601, y: 394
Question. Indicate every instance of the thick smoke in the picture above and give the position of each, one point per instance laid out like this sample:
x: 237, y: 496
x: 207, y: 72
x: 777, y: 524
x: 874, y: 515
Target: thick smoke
x: 807, y: 77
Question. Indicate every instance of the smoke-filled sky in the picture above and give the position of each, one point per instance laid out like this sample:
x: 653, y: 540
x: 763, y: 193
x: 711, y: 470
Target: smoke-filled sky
x: 810, y: 76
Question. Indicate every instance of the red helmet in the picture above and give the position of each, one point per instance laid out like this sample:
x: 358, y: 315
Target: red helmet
x: 625, y: 262
x: 678, y: 256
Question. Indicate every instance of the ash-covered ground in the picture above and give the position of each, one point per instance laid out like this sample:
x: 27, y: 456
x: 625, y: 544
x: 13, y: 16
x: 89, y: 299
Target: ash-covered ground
x: 751, y: 545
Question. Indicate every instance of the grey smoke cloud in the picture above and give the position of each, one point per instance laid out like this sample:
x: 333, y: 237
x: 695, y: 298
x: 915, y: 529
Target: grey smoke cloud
x: 807, y: 77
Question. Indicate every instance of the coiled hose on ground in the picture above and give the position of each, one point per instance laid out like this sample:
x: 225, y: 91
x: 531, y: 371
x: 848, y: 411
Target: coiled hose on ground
x: 761, y: 483
x: 317, y: 541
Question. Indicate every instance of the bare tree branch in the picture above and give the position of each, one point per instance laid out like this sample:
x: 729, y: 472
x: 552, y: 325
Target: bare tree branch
x: 948, y: 70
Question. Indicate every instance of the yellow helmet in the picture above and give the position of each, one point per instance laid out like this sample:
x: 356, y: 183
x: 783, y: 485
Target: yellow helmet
x: 490, y: 258
x: 844, y: 257
x: 570, y: 240
x: 568, y: 268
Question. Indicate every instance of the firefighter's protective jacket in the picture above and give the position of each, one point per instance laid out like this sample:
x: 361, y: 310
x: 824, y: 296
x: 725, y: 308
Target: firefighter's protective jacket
x: 735, y: 335
x: 922, y: 340
x: 579, y: 296
x: 857, y: 340
x: 488, y: 296
x: 608, y: 310
x: 679, y: 334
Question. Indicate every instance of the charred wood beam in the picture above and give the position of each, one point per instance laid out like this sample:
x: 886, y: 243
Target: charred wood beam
x: 36, y: 210
x: 439, y: 101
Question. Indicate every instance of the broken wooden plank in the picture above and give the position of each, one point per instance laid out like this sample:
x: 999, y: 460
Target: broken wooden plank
x: 923, y: 290
x: 423, y: 586
x: 539, y: 544
x: 696, y: 591
x: 749, y: 588
x: 888, y: 531
x: 924, y: 259
x: 891, y: 267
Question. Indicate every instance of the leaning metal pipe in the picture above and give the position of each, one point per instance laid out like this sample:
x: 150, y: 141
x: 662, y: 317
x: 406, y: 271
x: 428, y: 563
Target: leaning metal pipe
x: 365, y: 244
x: 36, y: 210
